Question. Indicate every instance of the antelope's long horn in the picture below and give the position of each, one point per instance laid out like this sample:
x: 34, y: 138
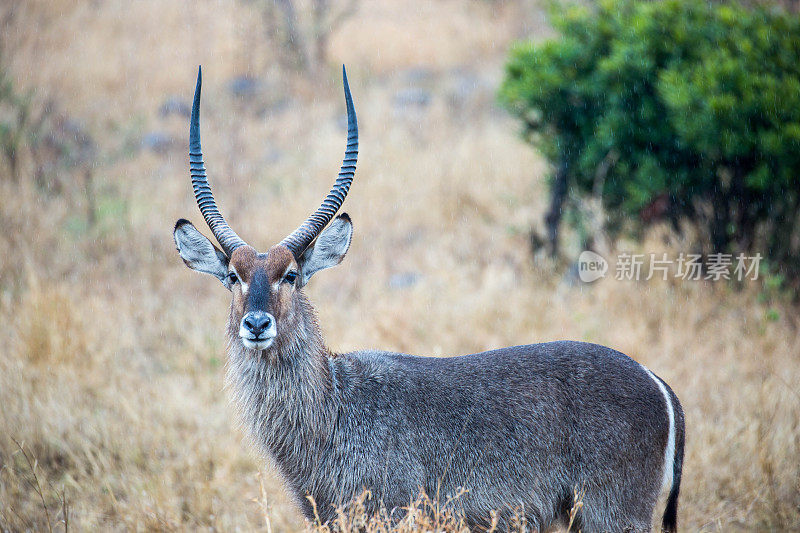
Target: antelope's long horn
x: 303, y: 236
x: 226, y: 237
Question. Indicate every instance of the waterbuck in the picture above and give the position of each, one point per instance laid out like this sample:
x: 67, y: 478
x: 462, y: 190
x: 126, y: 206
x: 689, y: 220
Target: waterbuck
x: 515, y: 430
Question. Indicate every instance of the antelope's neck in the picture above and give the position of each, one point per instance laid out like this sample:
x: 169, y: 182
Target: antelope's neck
x: 284, y: 394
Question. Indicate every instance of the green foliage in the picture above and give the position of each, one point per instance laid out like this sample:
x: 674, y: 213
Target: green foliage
x: 40, y: 145
x: 693, y: 103
x: 15, y: 125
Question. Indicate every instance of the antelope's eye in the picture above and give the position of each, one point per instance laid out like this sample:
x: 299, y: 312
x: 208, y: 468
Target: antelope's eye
x: 232, y: 277
x: 290, y: 277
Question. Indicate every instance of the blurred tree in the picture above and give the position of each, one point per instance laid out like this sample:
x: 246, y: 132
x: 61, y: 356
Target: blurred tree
x: 301, y: 30
x: 679, y: 110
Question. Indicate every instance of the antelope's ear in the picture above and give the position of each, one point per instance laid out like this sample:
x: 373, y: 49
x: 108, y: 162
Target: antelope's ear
x: 328, y: 249
x: 199, y: 253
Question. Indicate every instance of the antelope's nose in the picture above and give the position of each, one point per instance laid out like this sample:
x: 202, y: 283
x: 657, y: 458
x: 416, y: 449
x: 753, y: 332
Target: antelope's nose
x: 257, y: 322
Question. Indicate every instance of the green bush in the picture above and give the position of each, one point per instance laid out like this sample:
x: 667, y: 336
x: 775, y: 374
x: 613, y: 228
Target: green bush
x: 679, y: 109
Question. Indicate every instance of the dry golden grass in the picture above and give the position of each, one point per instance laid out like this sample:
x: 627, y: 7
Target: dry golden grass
x: 112, y: 351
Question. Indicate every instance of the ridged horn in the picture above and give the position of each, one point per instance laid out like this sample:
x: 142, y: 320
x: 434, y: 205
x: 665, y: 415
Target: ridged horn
x: 303, y: 236
x: 226, y: 237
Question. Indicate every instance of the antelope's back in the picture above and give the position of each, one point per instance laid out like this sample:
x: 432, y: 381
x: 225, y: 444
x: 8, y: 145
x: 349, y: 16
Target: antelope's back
x: 526, y: 419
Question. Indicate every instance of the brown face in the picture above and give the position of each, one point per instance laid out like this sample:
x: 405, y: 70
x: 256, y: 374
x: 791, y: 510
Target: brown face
x: 263, y: 286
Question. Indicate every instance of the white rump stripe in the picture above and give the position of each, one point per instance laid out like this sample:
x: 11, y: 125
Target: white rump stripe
x: 669, y: 451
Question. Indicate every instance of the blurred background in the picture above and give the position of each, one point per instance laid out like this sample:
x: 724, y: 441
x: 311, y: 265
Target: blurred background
x: 498, y: 140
